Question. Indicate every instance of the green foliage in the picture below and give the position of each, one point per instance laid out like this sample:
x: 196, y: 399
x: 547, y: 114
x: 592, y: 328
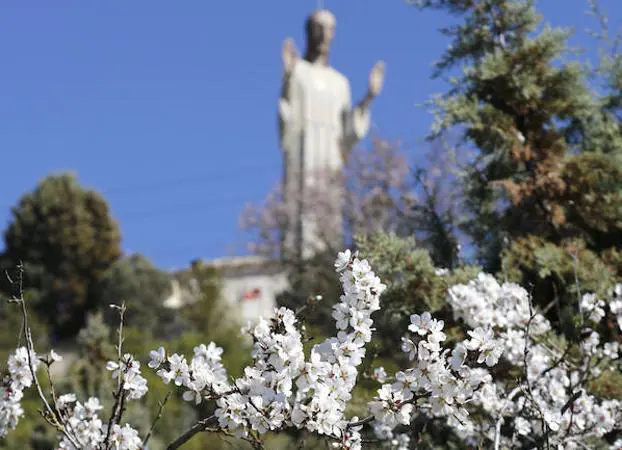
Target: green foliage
x: 66, y: 239
x: 143, y: 288
x: 208, y: 319
x: 205, y: 311
x: 609, y: 385
x: 205, y: 319
x: 547, y: 176
x: 308, y: 279
x: 557, y: 275
x: 86, y: 376
x: 434, y: 216
x: 543, y: 198
x: 569, y: 264
x: 594, y: 197
x: 83, y: 368
x: 32, y: 431
x: 414, y: 284
x: 10, y: 329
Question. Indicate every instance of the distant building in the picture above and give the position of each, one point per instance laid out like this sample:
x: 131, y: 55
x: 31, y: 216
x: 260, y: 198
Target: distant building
x: 252, y: 283
x: 249, y: 284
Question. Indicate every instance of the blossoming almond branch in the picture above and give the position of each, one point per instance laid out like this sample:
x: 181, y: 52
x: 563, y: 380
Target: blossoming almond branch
x: 284, y: 388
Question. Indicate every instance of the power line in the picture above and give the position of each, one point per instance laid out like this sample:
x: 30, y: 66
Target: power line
x: 200, y: 207
x: 181, y: 181
x: 196, y: 207
x: 178, y: 209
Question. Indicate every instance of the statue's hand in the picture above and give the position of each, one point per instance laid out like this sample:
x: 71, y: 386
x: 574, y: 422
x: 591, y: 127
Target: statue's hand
x: 376, y: 79
x: 289, y: 55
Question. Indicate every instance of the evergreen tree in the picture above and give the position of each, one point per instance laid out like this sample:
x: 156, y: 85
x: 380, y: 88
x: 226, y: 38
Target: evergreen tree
x: 66, y: 239
x: 135, y: 281
x: 544, y: 193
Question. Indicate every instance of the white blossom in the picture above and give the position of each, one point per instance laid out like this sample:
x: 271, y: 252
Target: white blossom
x: 444, y: 379
x: 128, y: 369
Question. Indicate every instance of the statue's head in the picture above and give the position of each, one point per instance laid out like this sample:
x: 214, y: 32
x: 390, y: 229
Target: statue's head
x: 320, y: 29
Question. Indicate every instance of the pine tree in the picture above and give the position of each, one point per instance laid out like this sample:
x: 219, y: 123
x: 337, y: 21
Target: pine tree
x: 544, y: 193
x: 66, y: 239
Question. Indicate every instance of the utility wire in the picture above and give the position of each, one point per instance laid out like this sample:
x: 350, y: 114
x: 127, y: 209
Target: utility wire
x: 181, y: 181
x: 176, y: 210
x: 196, y: 207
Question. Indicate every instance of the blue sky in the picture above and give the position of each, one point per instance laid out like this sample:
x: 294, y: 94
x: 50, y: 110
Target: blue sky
x: 169, y: 108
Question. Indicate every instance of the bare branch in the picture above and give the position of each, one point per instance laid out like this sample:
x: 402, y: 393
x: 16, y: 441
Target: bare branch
x: 201, y: 425
x: 157, y: 417
x: 119, y: 394
x: 50, y: 413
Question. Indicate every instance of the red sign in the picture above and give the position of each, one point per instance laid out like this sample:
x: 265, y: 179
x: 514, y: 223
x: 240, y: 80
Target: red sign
x: 253, y: 294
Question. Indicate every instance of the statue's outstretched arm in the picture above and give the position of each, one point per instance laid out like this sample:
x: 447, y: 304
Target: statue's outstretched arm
x: 357, y: 120
x: 356, y: 123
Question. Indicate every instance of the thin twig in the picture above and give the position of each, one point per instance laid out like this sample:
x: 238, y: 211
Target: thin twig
x: 358, y: 423
x: 118, y: 395
x: 509, y: 398
x: 157, y: 417
x: 58, y: 422
x: 52, y: 391
x: 532, y: 316
x: 121, y: 406
x: 575, y: 268
x: 201, y: 425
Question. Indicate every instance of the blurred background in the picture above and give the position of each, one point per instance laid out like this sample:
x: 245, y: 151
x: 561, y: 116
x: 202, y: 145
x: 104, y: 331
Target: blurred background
x: 134, y: 136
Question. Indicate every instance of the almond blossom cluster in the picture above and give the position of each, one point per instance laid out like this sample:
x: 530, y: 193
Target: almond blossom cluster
x: 546, y: 399
x: 81, y: 426
x: 284, y: 389
x: 204, y: 378
x: 550, y: 403
x: 615, y: 305
x: 10, y: 408
x: 12, y: 388
x: 88, y: 430
x: 127, y: 371
x: 440, y: 382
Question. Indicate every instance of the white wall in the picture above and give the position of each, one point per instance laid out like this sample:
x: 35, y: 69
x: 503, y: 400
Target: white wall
x: 239, y: 276
x: 270, y: 284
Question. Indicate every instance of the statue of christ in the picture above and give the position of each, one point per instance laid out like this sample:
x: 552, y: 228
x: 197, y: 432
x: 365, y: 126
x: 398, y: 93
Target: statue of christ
x: 318, y: 127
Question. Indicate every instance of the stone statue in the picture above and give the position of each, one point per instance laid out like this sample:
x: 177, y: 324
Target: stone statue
x: 318, y: 127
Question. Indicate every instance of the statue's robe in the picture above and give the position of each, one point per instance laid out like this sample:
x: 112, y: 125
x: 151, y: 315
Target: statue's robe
x: 318, y: 127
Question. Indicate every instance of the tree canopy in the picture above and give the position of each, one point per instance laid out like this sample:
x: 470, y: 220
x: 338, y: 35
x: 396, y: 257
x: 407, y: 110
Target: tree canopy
x: 543, y: 194
x: 66, y: 239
